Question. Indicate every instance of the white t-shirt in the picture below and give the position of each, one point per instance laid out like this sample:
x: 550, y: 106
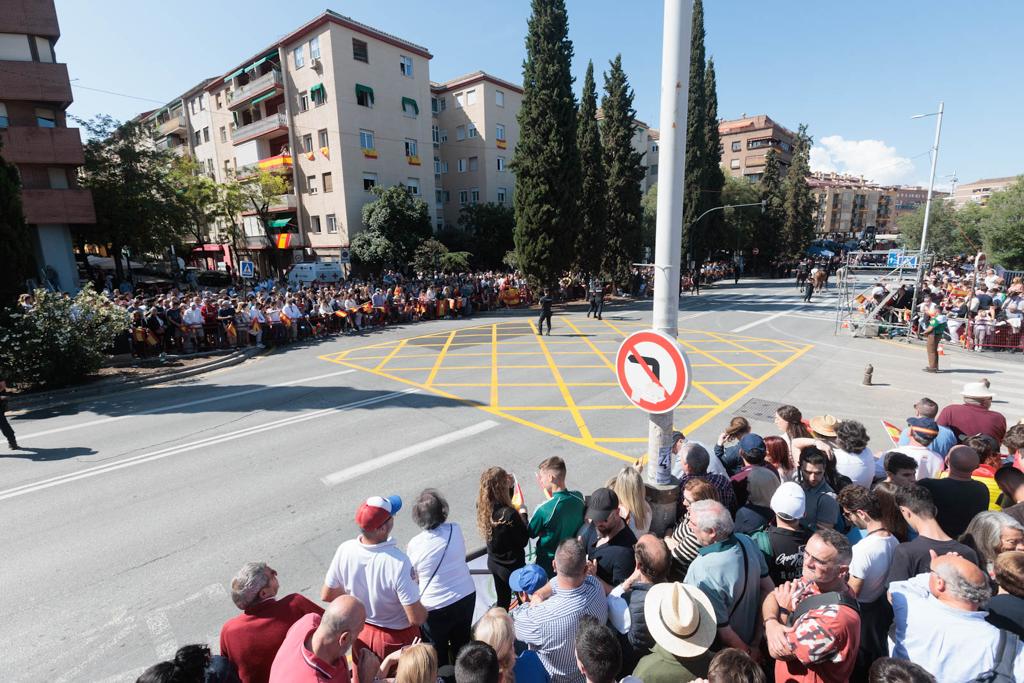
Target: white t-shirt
x: 929, y: 463
x: 872, y: 556
x: 861, y: 467
x: 452, y: 581
x: 380, y: 575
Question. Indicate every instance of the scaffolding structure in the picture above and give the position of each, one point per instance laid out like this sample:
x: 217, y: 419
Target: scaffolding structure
x: 859, y: 310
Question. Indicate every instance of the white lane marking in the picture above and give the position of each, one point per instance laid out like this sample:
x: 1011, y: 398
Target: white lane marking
x: 203, y: 443
x: 151, y: 411
x: 744, y: 328
x: 376, y: 464
x: 691, y: 317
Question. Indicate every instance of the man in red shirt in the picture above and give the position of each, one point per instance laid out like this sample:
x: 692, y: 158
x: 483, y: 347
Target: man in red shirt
x: 819, y: 643
x: 974, y: 416
x: 315, y: 648
x: 251, y: 639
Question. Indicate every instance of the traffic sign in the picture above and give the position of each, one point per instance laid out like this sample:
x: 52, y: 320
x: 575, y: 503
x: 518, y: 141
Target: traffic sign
x: 246, y: 269
x: 346, y: 255
x: 652, y: 370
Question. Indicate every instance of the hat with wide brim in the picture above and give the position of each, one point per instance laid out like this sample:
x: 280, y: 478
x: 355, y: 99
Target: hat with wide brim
x: 824, y: 425
x: 976, y: 390
x: 680, y: 618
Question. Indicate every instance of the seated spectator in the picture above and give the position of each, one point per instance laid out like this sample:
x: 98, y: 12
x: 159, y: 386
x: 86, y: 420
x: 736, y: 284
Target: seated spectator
x: 1006, y: 610
x: 526, y: 581
x: 974, y: 415
x: 695, y: 461
x: 597, y: 652
x: 821, y: 511
x: 732, y: 666
x: 683, y: 545
x: 652, y: 565
x: 915, y: 557
x: 416, y: 663
x: 890, y: 670
x: 992, y: 533
x: 958, y: 497
x: 477, y: 663
x: 819, y: 642
x: 316, y: 647
x: 930, y: 607
x: 438, y: 554
x: 608, y: 540
x: 251, y: 639
x: 732, y: 572
x: 682, y: 623
x: 635, y: 511
x: 497, y: 630
x: 191, y: 663
x: 549, y: 622
x: 1010, y: 481
x: 783, y: 543
x: 853, y: 457
x: 900, y: 468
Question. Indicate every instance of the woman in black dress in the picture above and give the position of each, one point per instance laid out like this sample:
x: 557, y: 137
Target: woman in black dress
x: 503, y: 528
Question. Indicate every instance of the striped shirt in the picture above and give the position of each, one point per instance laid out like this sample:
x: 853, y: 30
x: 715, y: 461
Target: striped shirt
x: 550, y: 627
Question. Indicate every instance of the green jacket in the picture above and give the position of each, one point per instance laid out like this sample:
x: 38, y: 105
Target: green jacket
x: 553, y: 522
x: 661, y: 666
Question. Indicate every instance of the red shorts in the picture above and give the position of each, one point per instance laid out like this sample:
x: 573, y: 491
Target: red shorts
x: 383, y: 641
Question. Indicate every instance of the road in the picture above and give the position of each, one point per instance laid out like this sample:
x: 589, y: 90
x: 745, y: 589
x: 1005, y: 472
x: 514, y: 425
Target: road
x: 125, y: 521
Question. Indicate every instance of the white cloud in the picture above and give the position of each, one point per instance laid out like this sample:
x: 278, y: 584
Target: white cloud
x: 873, y: 159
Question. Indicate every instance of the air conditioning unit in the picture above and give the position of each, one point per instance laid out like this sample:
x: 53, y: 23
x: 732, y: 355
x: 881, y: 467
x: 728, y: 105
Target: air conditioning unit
x: 316, y: 63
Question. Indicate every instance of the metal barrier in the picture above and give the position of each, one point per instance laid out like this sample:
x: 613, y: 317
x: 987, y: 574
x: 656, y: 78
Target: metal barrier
x: 993, y: 335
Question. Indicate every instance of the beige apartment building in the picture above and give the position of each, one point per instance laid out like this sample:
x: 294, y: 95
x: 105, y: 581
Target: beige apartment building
x: 745, y: 145
x: 979, y: 191
x: 474, y: 135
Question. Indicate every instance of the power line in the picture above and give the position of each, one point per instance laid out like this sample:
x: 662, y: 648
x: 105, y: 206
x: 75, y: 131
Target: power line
x: 118, y: 94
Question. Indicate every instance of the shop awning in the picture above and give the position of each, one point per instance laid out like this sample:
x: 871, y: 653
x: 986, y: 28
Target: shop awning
x: 263, y: 97
x: 279, y: 222
x: 233, y: 74
x: 360, y: 88
x: 410, y: 101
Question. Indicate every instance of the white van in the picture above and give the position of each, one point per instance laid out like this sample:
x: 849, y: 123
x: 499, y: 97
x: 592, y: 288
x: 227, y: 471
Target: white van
x: 302, y: 274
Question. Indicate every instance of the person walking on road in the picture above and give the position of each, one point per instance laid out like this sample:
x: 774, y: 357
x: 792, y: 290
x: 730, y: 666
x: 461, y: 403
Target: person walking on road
x: 596, y: 298
x: 933, y: 335
x: 808, y: 290
x: 5, y: 426
x: 545, y: 312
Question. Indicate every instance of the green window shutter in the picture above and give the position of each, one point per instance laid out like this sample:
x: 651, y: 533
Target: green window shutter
x: 411, y: 101
x: 360, y: 88
x: 263, y: 97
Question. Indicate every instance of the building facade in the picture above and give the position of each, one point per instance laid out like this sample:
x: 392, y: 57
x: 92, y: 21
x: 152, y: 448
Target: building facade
x: 745, y: 145
x: 845, y: 205
x: 979, y: 191
x: 474, y: 135
x: 35, y: 93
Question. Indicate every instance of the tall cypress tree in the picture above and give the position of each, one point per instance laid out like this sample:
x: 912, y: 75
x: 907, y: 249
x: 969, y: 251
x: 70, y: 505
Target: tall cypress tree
x: 798, y: 228
x: 624, y: 172
x: 769, y: 227
x: 696, y: 130
x: 546, y: 161
x: 592, y: 198
x: 14, y: 234
x: 714, y: 178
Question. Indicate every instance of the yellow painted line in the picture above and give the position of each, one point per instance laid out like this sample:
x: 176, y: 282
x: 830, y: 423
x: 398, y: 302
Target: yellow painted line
x: 585, y: 408
x: 597, y: 352
x: 734, y: 365
x: 564, y: 390
x: 745, y: 390
x: 391, y: 355
x: 622, y: 439
x: 742, y: 348
x: 431, y: 367
x: 720, y: 362
x: 707, y: 393
x: 494, y: 365
x: 500, y: 384
x: 725, y: 381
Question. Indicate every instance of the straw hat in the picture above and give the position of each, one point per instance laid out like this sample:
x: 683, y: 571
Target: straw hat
x: 824, y: 425
x: 680, y: 618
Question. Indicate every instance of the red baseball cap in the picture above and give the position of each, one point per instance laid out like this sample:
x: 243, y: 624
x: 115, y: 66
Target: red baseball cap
x: 376, y: 510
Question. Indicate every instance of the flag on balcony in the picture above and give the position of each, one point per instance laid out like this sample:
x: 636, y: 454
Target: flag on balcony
x: 369, y: 153
x: 326, y: 151
x: 502, y: 144
x: 414, y: 160
x: 284, y: 240
x: 311, y: 155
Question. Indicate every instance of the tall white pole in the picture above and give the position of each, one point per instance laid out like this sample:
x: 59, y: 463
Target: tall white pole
x: 931, y: 182
x: 675, y: 78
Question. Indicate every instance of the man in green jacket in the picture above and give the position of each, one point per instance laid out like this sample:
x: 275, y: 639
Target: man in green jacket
x: 557, y: 518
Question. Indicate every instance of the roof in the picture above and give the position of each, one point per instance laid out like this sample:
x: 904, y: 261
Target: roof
x: 201, y: 85
x: 991, y: 181
x: 474, y: 77
x: 654, y: 133
x: 750, y: 123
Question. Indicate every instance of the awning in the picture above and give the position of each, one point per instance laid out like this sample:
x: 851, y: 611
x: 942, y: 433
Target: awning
x: 233, y: 75
x: 318, y: 87
x: 263, y: 97
x: 360, y: 88
x: 411, y: 101
x: 279, y: 222
x: 256, y: 64
x: 220, y: 248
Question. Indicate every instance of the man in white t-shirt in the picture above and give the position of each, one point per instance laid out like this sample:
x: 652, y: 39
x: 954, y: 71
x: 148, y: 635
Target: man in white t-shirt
x: 373, y: 569
x: 921, y: 433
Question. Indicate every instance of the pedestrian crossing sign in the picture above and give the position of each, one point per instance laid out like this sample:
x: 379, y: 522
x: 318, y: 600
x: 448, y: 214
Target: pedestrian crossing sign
x: 246, y: 269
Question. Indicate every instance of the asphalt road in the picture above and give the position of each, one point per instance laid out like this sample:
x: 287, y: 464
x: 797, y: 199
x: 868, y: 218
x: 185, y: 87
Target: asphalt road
x: 127, y: 516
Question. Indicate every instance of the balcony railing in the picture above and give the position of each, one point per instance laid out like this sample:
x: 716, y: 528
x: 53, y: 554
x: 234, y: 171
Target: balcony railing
x: 282, y: 163
x: 268, y: 81
x: 267, y: 124
x: 172, y: 126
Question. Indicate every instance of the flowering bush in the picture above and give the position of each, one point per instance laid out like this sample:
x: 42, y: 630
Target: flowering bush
x: 61, y: 339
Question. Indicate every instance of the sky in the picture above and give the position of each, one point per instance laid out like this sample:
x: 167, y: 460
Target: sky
x: 855, y: 73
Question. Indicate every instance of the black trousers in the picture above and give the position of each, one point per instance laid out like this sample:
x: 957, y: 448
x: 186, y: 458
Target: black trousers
x: 540, y: 321
x: 449, y: 628
x: 5, y: 426
x: 501, y: 574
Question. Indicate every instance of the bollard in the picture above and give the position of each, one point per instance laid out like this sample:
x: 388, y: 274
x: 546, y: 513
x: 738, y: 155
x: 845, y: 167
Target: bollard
x: 664, y: 500
x: 868, y: 371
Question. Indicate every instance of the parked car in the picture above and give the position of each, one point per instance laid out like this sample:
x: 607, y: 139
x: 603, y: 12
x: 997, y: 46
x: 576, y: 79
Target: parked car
x: 308, y: 273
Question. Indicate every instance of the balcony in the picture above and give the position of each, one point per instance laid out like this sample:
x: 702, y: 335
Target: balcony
x: 282, y: 203
x: 173, y: 126
x: 32, y: 145
x: 752, y: 160
x: 268, y: 125
x: 270, y: 81
x: 35, y: 82
x: 282, y: 163
x: 296, y: 241
x: 70, y: 206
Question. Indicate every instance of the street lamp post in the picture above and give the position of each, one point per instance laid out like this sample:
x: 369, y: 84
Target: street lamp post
x: 927, y: 203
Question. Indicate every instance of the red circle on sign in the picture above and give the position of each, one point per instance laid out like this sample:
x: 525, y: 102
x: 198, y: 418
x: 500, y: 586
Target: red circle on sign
x: 667, y: 346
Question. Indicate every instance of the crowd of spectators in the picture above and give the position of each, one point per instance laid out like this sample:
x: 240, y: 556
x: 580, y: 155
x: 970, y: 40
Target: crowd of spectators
x: 796, y: 556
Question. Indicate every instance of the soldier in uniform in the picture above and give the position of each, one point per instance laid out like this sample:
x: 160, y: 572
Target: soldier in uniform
x: 545, y: 312
x: 596, y: 298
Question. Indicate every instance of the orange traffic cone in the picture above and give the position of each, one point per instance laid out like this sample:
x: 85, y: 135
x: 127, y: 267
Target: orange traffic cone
x: 942, y: 351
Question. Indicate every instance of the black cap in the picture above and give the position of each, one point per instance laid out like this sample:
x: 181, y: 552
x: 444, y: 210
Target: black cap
x: 603, y: 502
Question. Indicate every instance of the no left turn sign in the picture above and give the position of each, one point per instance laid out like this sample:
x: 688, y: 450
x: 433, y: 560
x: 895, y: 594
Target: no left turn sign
x: 652, y: 370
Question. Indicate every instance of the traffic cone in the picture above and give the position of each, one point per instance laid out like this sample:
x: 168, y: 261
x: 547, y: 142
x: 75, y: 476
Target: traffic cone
x: 942, y: 351
x: 846, y: 324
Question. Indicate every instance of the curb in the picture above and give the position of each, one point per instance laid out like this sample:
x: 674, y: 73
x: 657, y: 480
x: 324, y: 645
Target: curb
x: 46, y: 400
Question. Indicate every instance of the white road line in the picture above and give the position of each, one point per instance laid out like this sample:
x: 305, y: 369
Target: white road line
x: 744, y: 328
x: 151, y: 411
x: 376, y: 464
x: 203, y: 443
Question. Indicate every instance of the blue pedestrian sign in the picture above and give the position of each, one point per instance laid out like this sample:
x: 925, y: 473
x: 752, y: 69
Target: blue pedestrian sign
x: 898, y: 258
x: 246, y: 269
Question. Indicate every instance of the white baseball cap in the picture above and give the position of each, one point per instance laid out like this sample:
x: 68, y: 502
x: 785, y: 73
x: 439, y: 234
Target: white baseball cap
x: 788, y: 501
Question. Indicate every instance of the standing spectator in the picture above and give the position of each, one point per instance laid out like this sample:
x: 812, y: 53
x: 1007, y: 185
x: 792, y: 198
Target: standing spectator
x: 497, y: 630
x: 438, y: 554
x: 853, y: 457
x: 608, y: 540
x: 681, y: 446
x: 821, y: 511
x: 820, y: 641
x: 730, y: 456
x: 549, y: 625
x: 251, y: 639
x: 989, y: 460
x: 634, y: 509
x: 683, y: 545
x: 783, y: 544
x: 732, y: 666
x: 892, y: 518
x: 991, y: 533
x: 731, y: 571
x: 974, y: 415
x: 958, y: 497
x: 557, y: 518
x: 1006, y: 610
x: 933, y: 611
x: 695, y: 461
x: 503, y: 530
x: 1014, y: 442
x: 682, y: 622
x: 477, y: 663
x: 915, y: 557
x: 754, y: 486
x: 944, y: 440
x: 598, y: 656
x: 315, y: 647
x: 923, y: 431
x: 652, y: 564
x: 777, y: 455
x: 751, y: 453
x: 373, y: 569
x: 1011, y: 483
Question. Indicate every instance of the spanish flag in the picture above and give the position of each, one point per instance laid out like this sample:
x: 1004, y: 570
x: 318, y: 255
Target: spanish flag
x: 326, y: 151
x: 518, y: 499
x: 893, y: 431
x: 284, y: 240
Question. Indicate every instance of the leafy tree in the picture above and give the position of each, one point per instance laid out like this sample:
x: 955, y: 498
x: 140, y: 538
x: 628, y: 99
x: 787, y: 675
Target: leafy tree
x: 767, y: 237
x: 624, y: 172
x: 231, y: 201
x: 694, y: 203
x: 431, y: 255
x: 592, y: 199
x: 546, y: 161
x: 739, y: 225
x: 490, y: 228
x: 1002, y: 227
x: 950, y: 233
x: 15, y: 235
x: 197, y: 196
x: 259, y: 193
x: 649, y: 224
x: 714, y: 179
x: 798, y: 225
x: 371, y: 248
x: 401, y: 218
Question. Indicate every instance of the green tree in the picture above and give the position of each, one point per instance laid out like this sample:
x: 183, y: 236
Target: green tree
x: 696, y: 129
x: 592, y: 199
x: 432, y: 255
x: 624, y: 172
x: 258, y: 193
x: 713, y: 225
x: 19, y: 264
x: 739, y: 225
x: 950, y: 232
x: 197, y: 196
x: 400, y: 217
x: 490, y: 229
x: 546, y: 161
x: 767, y: 237
x: 1002, y: 226
x: 649, y: 225
x: 372, y: 249
x: 798, y: 224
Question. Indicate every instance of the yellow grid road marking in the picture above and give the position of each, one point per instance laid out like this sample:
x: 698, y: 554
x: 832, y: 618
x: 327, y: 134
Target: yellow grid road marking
x: 398, y: 347
x: 494, y: 365
x: 564, y: 390
x: 600, y: 354
x: 701, y: 389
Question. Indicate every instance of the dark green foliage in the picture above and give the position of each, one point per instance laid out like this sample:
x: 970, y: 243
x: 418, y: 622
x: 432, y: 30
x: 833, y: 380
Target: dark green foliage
x: 712, y: 225
x: 767, y: 238
x: 798, y: 225
x: 15, y: 236
x: 400, y: 219
x: 696, y: 149
x: 592, y: 199
x: 486, y: 230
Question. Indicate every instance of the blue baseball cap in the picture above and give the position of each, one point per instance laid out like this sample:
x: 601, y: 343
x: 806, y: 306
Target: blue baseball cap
x: 527, y: 579
x: 752, y: 442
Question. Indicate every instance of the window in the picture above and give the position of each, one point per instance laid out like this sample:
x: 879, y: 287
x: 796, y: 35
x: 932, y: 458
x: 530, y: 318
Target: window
x: 444, y: 135
x: 219, y: 101
x: 332, y: 223
x: 501, y: 163
x: 366, y: 139
x: 299, y: 57
x: 44, y: 49
x: 223, y: 134
x: 460, y: 132
x: 209, y: 166
x: 15, y: 47
x: 227, y: 168
x: 736, y: 145
x: 502, y: 195
x: 409, y: 107
x: 202, y: 103
x: 314, y: 47
x: 46, y: 117
x: 414, y: 186
x: 437, y: 166
x: 447, y: 196
x: 312, y: 185
x: 303, y: 101
x: 411, y: 148
x: 197, y: 137
x: 735, y: 163
x: 471, y: 131
x: 499, y: 98
x: 192, y: 104
x: 652, y: 170
x: 314, y: 223
x: 323, y: 139
x: 360, y: 52
x: 405, y: 64
x: 443, y: 103
x: 435, y: 135
x: 307, y: 142
x: 328, y: 183
x: 206, y: 134
x: 364, y: 95
x: 499, y: 131
x: 457, y: 97
x: 4, y: 121
x: 58, y: 178
x: 444, y: 167
x: 438, y: 197
x: 318, y: 94
x: 462, y: 165
x: 434, y: 107
x: 474, y: 163
x: 474, y: 195
x: 369, y: 181
x: 470, y: 97
x: 463, y: 197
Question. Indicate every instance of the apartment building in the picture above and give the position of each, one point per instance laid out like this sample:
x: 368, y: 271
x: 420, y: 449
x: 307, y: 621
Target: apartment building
x: 979, y: 191
x: 745, y: 145
x: 474, y: 133
x: 847, y: 204
x: 35, y: 93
